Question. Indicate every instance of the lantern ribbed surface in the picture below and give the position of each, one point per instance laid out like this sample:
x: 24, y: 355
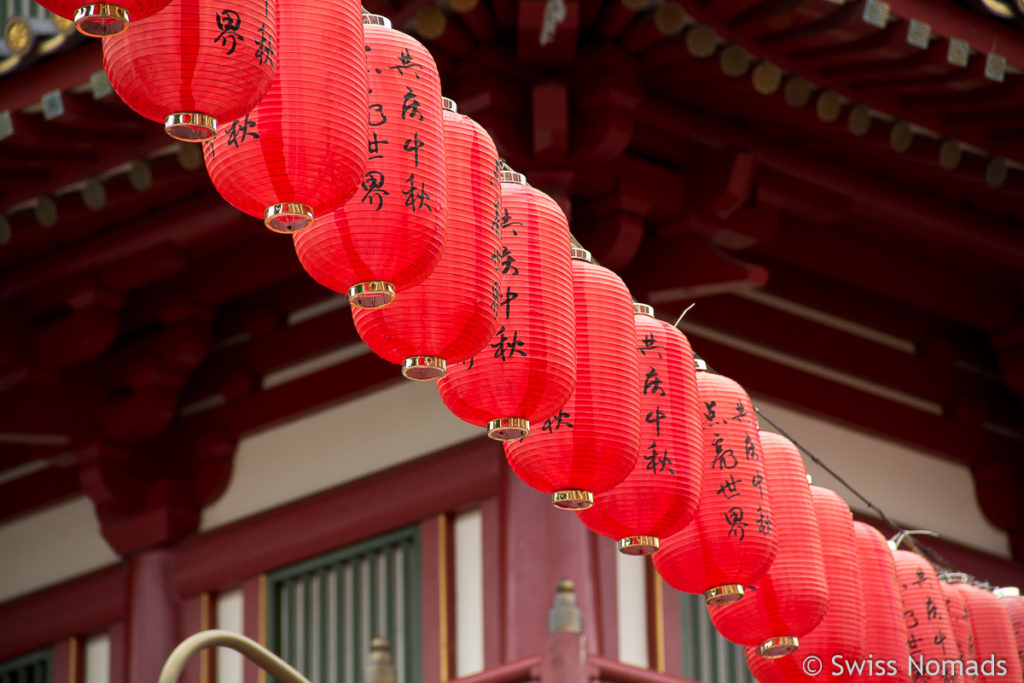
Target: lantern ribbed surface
x: 930, y: 635
x: 1013, y: 603
x: 885, y: 631
x: 995, y: 647
x: 427, y: 321
x: 660, y: 495
x: 841, y: 633
x: 195, y: 63
x: 98, y: 19
x: 390, y: 235
x: 732, y: 540
x: 528, y: 369
x: 591, y: 443
x: 960, y: 620
x: 792, y: 598
x: 305, y: 143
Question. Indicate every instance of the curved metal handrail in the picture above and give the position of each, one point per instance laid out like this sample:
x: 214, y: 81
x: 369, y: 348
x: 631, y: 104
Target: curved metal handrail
x: 248, y: 648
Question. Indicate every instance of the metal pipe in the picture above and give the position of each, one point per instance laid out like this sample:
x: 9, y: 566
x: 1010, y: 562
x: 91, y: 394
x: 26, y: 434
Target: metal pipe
x: 263, y: 657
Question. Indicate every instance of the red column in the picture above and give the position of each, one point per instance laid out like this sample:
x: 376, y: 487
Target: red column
x: 152, y: 620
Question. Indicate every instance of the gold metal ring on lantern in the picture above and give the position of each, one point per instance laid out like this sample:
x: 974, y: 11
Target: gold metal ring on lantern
x: 101, y: 19
x: 376, y: 20
x: 572, y: 499
x: 723, y: 595
x: 700, y: 365
x: 190, y: 126
x: 372, y: 294
x: 580, y: 255
x: 638, y: 545
x: 449, y: 105
x: 513, y: 177
x: 773, y: 648
x: 424, y: 368
x: 288, y: 217
x: 508, y: 428
x: 643, y: 309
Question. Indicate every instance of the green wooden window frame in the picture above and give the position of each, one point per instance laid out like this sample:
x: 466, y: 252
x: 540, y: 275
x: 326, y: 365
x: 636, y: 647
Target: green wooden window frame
x: 373, y: 589
x: 35, y: 667
x: 707, y: 656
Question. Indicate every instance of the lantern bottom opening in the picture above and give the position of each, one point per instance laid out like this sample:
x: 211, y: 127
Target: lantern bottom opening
x: 288, y: 217
x: 508, y: 428
x: 638, y: 545
x: 373, y: 294
x: 572, y: 499
x: 190, y: 126
x: 723, y: 595
x: 101, y: 19
x: 424, y: 368
x: 773, y: 648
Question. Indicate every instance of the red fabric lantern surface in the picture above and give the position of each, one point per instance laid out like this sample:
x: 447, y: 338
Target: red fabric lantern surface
x: 390, y: 235
x: 885, y: 631
x: 930, y: 635
x: 660, y: 495
x: 98, y: 19
x: 995, y: 647
x: 792, y: 598
x: 528, y: 371
x: 427, y: 329
x: 302, y: 151
x: 839, y: 636
x: 592, y: 442
x: 1010, y: 598
x: 960, y: 621
x: 195, y: 63
x: 732, y: 540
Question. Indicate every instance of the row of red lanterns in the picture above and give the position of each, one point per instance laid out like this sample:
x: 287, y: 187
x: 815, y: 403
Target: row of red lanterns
x: 407, y: 205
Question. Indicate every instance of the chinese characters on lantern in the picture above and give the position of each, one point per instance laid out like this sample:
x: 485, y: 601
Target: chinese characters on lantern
x: 657, y: 458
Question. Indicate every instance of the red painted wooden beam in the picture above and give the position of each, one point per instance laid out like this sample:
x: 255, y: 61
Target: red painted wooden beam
x: 61, y: 72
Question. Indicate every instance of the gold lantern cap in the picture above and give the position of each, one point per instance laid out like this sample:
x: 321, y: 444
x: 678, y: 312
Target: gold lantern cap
x: 643, y: 309
x: 424, y: 368
x: 449, y: 105
x: 372, y: 294
x: 100, y: 19
x: 572, y: 499
x: 638, y: 545
x: 376, y: 20
x: 780, y: 646
x: 508, y: 428
x: 723, y: 595
x: 288, y: 217
x: 190, y: 126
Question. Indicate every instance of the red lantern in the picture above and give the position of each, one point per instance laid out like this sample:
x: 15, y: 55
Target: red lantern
x: 426, y: 328
x: 528, y: 371
x: 959, y: 619
x: 390, y: 235
x: 792, y: 598
x: 302, y: 151
x: 195, y: 63
x: 930, y: 636
x: 660, y: 495
x: 996, y: 659
x: 839, y: 635
x: 732, y: 540
x: 1011, y: 600
x: 98, y: 19
x: 885, y: 630
x: 591, y: 443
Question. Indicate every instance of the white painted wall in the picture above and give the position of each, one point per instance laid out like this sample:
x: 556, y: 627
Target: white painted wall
x: 337, y: 445
x: 469, y: 592
x: 912, y: 488
x: 96, y: 666
x: 50, y: 546
x: 229, y: 615
x: 631, y: 602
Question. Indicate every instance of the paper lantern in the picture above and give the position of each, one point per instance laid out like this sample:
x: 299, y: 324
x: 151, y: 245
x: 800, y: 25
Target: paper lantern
x: 959, y: 620
x: 930, y: 636
x: 660, y: 495
x: 792, y: 598
x: 302, y: 151
x: 427, y: 328
x: 995, y: 658
x: 390, y: 235
x: 528, y: 370
x: 732, y: 540
x: 195, y: 63
x: 885, y: 631
x: 592, y: 442
x: 839, y: 636
x: 98, y: 19
x: 1010, y: 598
